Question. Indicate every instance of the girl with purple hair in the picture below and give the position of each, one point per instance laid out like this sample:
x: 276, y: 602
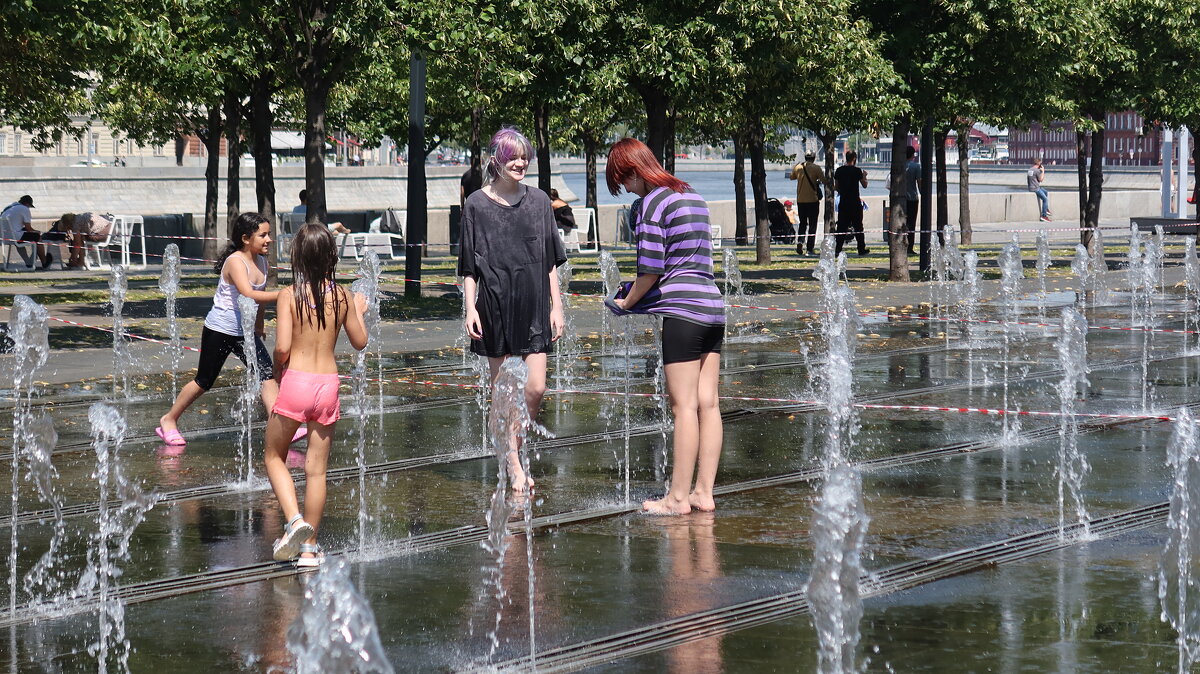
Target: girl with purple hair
x: 509, y: 254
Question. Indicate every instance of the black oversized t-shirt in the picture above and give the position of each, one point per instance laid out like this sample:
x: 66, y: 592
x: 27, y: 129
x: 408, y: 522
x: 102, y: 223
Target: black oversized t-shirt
x: 848, y: 179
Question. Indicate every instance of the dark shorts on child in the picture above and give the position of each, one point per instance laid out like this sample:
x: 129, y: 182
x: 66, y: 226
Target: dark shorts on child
x: 215, y: 347
x: 684, y: 341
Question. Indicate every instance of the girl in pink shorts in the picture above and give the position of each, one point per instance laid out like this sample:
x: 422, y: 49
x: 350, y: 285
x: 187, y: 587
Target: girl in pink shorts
x: 310, y: 315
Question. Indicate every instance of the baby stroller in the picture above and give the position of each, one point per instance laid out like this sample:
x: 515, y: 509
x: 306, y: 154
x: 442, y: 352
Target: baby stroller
x: 781, y: 228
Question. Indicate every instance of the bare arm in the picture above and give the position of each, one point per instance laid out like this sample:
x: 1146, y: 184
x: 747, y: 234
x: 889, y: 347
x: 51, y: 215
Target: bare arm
x: 557, y: 322
x: 284, y: 316
x: 473, y: 326
x: 641, y: 285
x: 235, y: 271
x: 863, y: 180
x: 356, y: 329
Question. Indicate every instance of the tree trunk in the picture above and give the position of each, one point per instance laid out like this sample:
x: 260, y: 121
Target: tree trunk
x: 541, y: 131
x: 212, y: 177
x: 1096, y: 183
x: 758, y: 183
x: 964, y: 186
x: 233, y: 157
x: 898, y: 247
x: 827, y: 140
x: 656, y: 103
x: 261, y: 121
x: 669, y: 149
x: 926, y: 210
x: 591, y: 147
x: 943, y: 205
x: 1081, y: 174
x: 316, y: 102
x: 739, y: 191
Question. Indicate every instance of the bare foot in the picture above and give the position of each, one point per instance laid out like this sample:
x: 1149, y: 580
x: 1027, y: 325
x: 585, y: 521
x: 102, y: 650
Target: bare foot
x: 517, y: 479
x: 702, y: 503
x: 167, y: 423
x: 666, y: 506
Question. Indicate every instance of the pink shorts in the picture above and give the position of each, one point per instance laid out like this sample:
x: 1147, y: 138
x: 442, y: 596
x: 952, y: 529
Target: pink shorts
x: 305, y: 397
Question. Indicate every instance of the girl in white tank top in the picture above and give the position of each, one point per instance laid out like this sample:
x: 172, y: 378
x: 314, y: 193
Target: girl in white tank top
x: 243, y: 270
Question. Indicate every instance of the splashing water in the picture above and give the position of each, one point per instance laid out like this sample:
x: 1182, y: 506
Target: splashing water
x: 1144, y: 257
x: 968, y: 302
x: 839, y: 329
x: 1011, y: 273
x: 336, y: 629
x: 28, y: 327
x: 1178, y: 587
x: 566, y: 349
x: 509, y: 423
x: 611, y: 275
x: 117, y: 288
x: 168, y: 283
x: 1191, y: 276
x: 248, y: 396
x: 1082, y: 268
x: 1043, y: 268
x: 735, y: 292
x: 367, y: 284
x: 115, y: 525
x: 1072, y: 464
x: 839, y: 528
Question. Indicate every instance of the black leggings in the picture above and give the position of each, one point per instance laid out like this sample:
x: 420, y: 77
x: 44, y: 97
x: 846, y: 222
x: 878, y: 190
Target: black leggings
x: 685, y: 341
x: 215, y: 347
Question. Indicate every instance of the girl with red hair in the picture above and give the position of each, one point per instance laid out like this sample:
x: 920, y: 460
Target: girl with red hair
x: 675, y: 281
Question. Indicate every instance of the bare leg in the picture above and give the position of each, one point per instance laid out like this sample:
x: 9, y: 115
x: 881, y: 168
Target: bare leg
x: 517, y: 479
x: 191, y: 391
x: 320, y: 438
x: 279, y: 436
x: 683, y: 388
x: 711, y: 433
x: 269, y: 392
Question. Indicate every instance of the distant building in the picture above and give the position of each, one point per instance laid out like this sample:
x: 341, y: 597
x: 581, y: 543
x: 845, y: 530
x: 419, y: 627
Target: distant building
x: 1128, y: 141
x: 97, y: 143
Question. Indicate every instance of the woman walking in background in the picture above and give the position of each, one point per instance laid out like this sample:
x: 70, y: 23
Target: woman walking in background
x: 509, y: 255
x: 675, y: 281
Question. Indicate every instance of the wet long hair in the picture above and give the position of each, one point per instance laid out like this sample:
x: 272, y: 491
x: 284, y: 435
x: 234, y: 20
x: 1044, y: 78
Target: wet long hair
x: 630, y: 157
x: 506, y: 144
x: 314, y: 261
x: 244, y: 227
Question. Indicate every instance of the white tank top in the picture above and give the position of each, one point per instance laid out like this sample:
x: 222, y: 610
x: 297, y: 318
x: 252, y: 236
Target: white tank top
x: 225, y: 316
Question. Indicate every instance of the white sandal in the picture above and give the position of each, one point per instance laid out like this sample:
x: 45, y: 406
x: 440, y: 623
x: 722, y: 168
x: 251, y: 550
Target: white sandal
x: 296, y: 532
x: 317, y: 559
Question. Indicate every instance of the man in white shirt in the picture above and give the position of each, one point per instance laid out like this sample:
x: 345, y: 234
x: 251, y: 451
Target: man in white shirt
x: 18, y: 226
x: 302, y: 209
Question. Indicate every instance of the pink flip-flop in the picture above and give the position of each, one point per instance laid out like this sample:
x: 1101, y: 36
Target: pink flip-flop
x: 171, y: 437
x: 299, y: 435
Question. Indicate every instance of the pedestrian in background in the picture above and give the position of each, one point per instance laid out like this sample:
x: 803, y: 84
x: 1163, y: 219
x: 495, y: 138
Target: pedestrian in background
x: 1036, y: 175
x: 808, y: 177
x: 847, y: 180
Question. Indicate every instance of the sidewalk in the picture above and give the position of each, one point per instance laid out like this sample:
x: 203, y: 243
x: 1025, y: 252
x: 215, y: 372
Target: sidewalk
x: 417, y: 336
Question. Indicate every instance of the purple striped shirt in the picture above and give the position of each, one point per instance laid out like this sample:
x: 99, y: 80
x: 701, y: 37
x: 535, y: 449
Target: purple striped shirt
x: 674, y: 241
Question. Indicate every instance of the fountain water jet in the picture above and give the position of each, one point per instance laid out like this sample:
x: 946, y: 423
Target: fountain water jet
x: 509, y: 424
x: 168, y: 283
x: 1178, y: 586
x: 839, y: 528
x: 117, y: 288
x: 248, y: 395
x: 1072, y: 464
x: 1011, y: 273
x: 367, y: 284
x: 29, y: 330
x: 114, y: 529
x: 336, y: 629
